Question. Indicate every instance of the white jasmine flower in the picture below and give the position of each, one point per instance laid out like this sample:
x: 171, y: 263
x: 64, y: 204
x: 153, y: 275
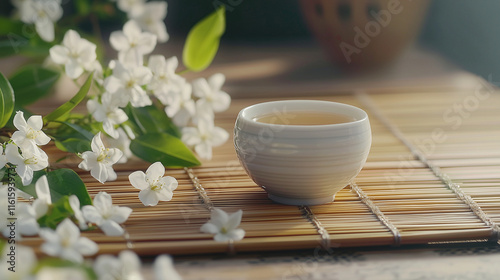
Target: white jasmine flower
x: 204, y: 137
x: 150, y: 17
x: 65, y: 242
x: 210, y: 92
x: 129, y: 5
x: 29, y: 133
x: 203, y: 111
x: 24, y: 266
x: 126, y: 85
x: 43, y: 13
x: 77, y: 54
x: 224, y: 225
x: 31, y: 160
x: 181, y: 106
x: 153, y: 185
x: 122, y: 143
x: 106, y: 215
x: 126, y: 266
x: 43, y: 201
x: 164, y: 268
x: 132, y: 44
x: 74, y: 203
x: 107, y: 112
x: 165, y: 82
x: 100, y: 160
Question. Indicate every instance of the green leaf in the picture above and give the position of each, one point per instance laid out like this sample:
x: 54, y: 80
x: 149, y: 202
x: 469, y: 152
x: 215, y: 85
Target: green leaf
x: 58, y: 211
x: 165, y: 148
x: 8, y: 25
x: 74, y: 145
x: 31, y: 83
x: 83, y: 7
x: 62, y: 182
x: 203, y: 40
x: 67, y: 182
x: 7, y: 100
x: 151, y: 119
x: 71, y: 104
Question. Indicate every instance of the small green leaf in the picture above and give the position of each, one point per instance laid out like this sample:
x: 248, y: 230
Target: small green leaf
x: 203, y: 40
x: 31, y: 83
x: 83, y: 7
x: 67, y: 182
x: 58, y: 211
x: 7, y: 100
x: 163, y: 147
x: 151, y: 119
x: 62, y: 182
x: 68, y: 106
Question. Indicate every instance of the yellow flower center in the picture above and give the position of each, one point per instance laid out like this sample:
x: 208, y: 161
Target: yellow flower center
x: 103, y: 155
x: 32, y: 134
x: 130, y: 83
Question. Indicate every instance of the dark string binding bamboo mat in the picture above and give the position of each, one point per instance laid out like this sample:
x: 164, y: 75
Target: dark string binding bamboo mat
x: 432, y: 176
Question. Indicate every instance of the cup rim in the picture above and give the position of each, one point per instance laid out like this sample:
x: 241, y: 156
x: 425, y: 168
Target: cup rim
x: 249, y: 118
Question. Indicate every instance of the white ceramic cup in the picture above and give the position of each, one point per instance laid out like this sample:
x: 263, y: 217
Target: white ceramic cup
x: 302, y: 164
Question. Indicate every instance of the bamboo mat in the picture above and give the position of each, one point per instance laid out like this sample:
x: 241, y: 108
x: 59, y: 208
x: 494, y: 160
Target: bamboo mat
x: 432, y: 176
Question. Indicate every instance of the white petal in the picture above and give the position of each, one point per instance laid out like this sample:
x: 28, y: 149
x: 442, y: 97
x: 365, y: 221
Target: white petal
x: 103, y: 202
x: 201, y: 88
x: 138, y: 180
x: 42, y: 139
x: 216, y: 81
x: 169, y: 182
x: 59, y: 54
x: 111, y: 228
x: 71, y: 39
x: 204, y: 150
x: 119, y: 41
x: 45, y: 28
x: 209, y: 228
x: 234, y: 220
x: 222, y: 102
x: 219, y: 136
x: 73, y: 69
x: 237, y: 234
x: 222, y: 237
x: 155, y: 171
x: 120, y: 214
x: 100, y: 173
x: 20, y: 122
x: 131, y: 29
x: 164, y: 195
x: 86, y: 246
x: 164, y: 269
x: 42, y: 190
x: 91, y: 214
x: 148, y: 197
x: 148, y: 43
x: 219, y: 217
x: 97, y: 144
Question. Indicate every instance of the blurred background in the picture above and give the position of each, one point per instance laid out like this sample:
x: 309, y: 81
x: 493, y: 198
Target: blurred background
x: 322, y: 46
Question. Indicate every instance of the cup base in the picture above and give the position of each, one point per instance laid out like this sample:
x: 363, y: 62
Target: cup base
x: 301, y: 201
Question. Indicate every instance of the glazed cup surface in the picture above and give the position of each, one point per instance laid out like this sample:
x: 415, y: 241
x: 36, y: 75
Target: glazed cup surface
x: 302, y: 164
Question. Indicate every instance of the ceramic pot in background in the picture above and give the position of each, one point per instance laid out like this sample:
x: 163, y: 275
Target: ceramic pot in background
x: 359, y: 35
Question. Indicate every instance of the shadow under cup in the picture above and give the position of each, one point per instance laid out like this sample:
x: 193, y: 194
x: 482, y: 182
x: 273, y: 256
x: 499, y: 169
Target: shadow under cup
x: 302, y: 164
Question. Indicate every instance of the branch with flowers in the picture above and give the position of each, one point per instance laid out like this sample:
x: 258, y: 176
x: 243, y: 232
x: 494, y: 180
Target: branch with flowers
x: 137, y: 104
